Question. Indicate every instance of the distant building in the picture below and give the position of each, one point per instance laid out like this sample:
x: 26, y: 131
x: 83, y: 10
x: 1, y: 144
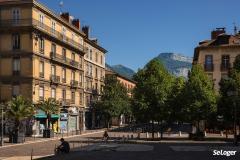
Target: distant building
x: 217, y: 55
x: 129, y: 84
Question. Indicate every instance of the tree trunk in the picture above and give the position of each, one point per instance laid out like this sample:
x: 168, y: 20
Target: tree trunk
x: 161, y: 126
x: 48, y: 120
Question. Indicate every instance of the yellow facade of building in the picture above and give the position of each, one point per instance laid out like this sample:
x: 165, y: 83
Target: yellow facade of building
x: 43, y: 55
x: 217, y: 55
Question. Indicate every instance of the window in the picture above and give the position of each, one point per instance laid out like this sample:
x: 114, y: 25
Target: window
x: 41, y: 19
x: 53, y: 27
x: 91, y: 70
x: 225, y: 62
x: 41, y: 93
x: 73, y: 76
x: 64, y: 33
x: 73, y: 56
x: 80, y: 61
x: 41, y: 45
x: 96, y: 72
x: 81, y: 41
x: 64, y: 54
x: 96, y: 57
x: 53, y: 93
x: 53, y: 70
x: 16, y: 91
x: 87, y: 55
x: 16, y: 66
x: 101, y: 59
x: 41, y: 69
x: 90, y: 54
x: 16, y: 41
x: 64, y: 75
x: 96, y: 86
x: 81, y: 98
x: 208, y: 63
x: 16, y: 15
x: 73, y: 97
x: 53, y: 49
x: 81, y: 79
x: 64, y: 94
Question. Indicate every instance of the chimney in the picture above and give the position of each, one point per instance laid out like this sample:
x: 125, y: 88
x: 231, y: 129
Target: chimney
x: 76, y: 23
x: 217, y: 32
x: 86, y: 30
x: 65, y: 16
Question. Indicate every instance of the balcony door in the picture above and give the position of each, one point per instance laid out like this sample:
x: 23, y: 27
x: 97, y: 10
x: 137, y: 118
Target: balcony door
x: 53, y: 70
x: 16, y: 15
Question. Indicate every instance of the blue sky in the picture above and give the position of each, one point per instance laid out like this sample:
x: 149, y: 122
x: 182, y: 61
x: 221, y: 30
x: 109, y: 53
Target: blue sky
x: 135, y: 31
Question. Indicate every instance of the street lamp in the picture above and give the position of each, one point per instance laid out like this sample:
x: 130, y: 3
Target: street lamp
x: 234, y: 93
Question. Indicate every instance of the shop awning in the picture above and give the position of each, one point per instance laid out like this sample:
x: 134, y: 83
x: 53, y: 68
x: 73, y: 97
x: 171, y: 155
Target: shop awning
x: 41, y: 114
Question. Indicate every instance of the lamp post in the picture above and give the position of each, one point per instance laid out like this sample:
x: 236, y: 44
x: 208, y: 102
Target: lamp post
x: 234, y: 93
x: 1, y: 125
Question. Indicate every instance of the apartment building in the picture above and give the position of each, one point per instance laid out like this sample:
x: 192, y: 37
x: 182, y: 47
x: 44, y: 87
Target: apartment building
x: 94, y: 75
x: 42, y: 55
x: 217, y: 55
x: 129, y: 84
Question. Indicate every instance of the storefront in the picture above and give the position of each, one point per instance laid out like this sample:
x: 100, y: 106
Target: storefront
x: 73, y: 119
x: 40, y: 122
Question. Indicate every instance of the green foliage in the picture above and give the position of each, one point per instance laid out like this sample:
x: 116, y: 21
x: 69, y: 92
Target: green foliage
x: 227, y: 102
x: 151, y: 92
x: 175, y: 100
x: 19, y: 109
x: 199, y: 95
x: 115, y: 100
x: 49, y: 106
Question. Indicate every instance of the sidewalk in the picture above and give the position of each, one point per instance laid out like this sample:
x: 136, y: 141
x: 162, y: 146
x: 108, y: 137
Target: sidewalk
x: 29, y: 140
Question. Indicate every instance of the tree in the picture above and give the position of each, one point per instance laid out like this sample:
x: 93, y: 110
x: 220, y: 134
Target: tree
x: 114, y: 100
x: 19, y: 109
x: 199, y: 96
x: 229, y: 105
x: 151, y: 93
x: 49, y: 106
x: 175, y: 100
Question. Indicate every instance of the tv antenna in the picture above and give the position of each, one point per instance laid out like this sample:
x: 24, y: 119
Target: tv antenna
x: 235, y: 28
x: 61, y: 6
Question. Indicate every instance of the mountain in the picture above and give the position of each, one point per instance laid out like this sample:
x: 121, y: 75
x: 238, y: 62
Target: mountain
x: 176, y: 64
x: 122, y: 70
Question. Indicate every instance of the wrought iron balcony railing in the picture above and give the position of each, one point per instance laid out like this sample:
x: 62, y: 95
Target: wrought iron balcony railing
x: 43, y: 27
x: 74, y: 84
x: 55, y: 79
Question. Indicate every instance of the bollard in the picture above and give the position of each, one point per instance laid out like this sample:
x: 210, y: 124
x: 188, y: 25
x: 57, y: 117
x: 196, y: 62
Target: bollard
x: 32, y: 154
x: 139, y: 134
x: 205, y: 133
x: 180, y: 133
x: 221, y: 133
x: 147, y: 135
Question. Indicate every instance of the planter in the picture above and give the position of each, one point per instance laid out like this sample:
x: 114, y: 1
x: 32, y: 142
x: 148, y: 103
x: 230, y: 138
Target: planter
x: 48, y: 133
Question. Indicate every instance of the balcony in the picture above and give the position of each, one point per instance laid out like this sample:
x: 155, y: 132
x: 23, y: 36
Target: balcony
x: 225, y: 67
x: 41, y: 75
x: 43, y: 27
x: 41, y: 98
x: 74, y: 84
x: 74, y: 63
x: 65, y: 102
x: 63, y: 80
x: 16, y: 73
x: 209, y: 67
x: 55, y: 79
